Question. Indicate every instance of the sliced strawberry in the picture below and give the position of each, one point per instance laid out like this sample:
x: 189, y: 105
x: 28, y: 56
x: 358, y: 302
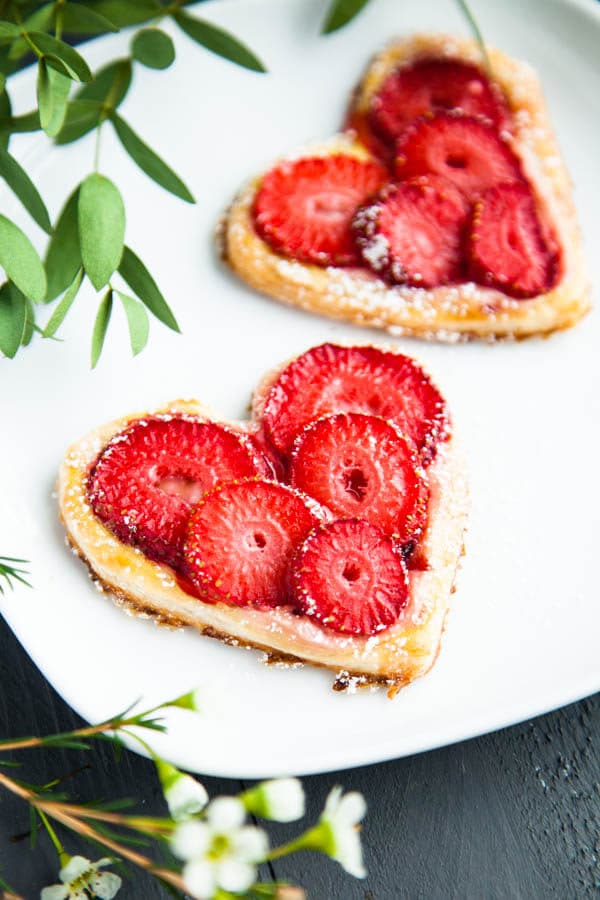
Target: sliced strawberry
x: 361, y: 467
x: 331, y: 379
x: 413, y: 232
x: 431, y: 86
x: 304, y: 207
x: 348, y: 576
x: 507, y: 246
x: 147, y: 478
x: 240, y: 539
x: 466, y: 151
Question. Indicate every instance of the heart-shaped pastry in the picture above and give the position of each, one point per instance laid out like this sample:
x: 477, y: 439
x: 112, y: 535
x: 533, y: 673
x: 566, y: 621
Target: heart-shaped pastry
x: 327, y: 529
x: 443, y: 211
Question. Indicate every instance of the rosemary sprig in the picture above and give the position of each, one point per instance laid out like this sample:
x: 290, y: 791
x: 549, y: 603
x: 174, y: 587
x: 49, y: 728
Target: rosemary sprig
x: 10, y: 572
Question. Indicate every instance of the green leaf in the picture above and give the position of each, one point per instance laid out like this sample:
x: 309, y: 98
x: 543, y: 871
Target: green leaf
x: 41, y: 19
x: 66, y: 742
x: 123, y: 14
x: 82, y: 117
x: 21, y: 184
x: 29, y: 323
x: 112, y: 80
x: 13, y: 318
x: 80, y: 19
x: 137, y: 321
x: 20, y: 261
x: 218, y: 41
x: 63, y: 256
x: 5, y: 118
x: 58, y: 316
x: 153, y: 48
x: 61, y: 55
x: 33, y: 827
x: 149, y: 162
x: 9, y: 31
x: 52, y: 93
x: 101, y: 228
x: 341, y: 12
x: 143, y: 285
x: 21, y: 124
x: 100, y: 326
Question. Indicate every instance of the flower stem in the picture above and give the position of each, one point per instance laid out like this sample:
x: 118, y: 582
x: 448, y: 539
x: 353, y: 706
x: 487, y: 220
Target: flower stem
x: 63, y: 856
x: 312, y: 839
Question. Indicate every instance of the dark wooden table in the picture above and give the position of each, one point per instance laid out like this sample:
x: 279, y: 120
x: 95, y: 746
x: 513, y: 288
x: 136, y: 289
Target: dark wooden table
x: 511, y: 816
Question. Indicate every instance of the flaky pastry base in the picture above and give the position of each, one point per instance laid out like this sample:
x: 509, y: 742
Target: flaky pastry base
x: 449, y: 313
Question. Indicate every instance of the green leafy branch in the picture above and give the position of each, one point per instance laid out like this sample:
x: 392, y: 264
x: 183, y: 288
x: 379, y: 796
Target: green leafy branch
x: 207, y: 849
x: 87, y: 241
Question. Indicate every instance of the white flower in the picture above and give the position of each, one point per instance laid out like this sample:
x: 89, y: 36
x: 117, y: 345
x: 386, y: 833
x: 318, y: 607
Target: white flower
x: 184, y: 795
x: 80, y: 875
x: 220, y: 852
x: 281, y: 800
x: 341, y: 817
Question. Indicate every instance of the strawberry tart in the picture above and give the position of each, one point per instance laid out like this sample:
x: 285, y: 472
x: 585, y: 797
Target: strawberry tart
x: 443, y: 210
x: 327, y: 529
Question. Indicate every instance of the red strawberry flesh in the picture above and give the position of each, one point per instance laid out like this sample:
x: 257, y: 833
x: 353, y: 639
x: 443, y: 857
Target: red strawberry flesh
x: 330, y: 379
x: 361, y: 467
x: 348, y: 576
x: 146, y: 479
x: 241, y: 538
x: 507, y: 246
x: 432, y: 86
x: 465, y: 150
x: 304, y: 208
x: 413, y: 232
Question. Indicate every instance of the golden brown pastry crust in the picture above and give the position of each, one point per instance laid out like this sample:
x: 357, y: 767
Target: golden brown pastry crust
x: 445, y: 313
x: 395, y: 657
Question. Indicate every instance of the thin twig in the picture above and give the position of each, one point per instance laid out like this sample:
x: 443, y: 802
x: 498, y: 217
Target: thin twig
x: 67, y: 816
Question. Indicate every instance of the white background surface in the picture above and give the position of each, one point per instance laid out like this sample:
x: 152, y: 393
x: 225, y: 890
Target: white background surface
x: 523, y: 633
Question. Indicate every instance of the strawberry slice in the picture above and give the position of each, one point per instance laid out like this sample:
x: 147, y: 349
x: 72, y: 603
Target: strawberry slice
x: 466, y: 151
x: 361, y: 467
x: 331, y: 379
x: 348, y: 576
x: 146, y: 479
x: 304, y: 207
x: 240, y: 539
x: 413, y: 233
x: 507, y: 247
x: 431, y: 86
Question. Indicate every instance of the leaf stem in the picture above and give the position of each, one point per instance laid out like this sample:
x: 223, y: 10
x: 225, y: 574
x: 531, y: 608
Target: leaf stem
x: 97, y: 147
x: 477, y: 32
x: 58, y: 24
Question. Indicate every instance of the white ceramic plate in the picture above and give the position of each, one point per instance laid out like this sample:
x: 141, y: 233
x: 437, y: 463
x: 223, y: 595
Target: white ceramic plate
x: 523, y: 634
